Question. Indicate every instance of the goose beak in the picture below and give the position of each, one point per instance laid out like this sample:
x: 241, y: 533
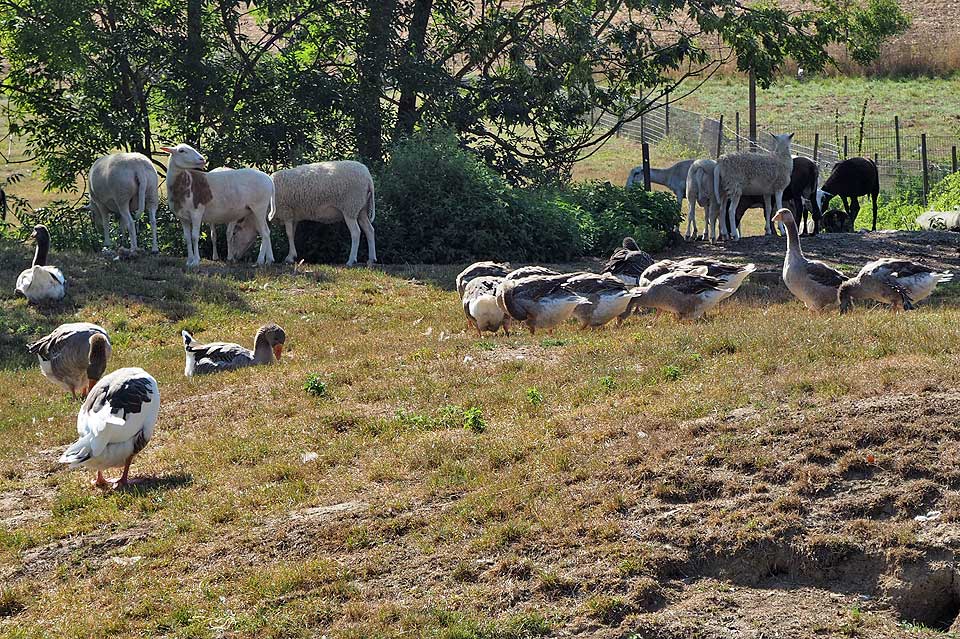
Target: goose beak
x: 277, y: 351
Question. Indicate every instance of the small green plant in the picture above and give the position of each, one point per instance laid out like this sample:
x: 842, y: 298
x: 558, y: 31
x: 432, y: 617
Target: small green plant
x: 607, y: 383
x: 607, y: 609
x: 534, y: 396
x: 548, y: 342
x: 473, y: 419
x: 485, y: 345
x: 672, y: 372
x: 316, y: 386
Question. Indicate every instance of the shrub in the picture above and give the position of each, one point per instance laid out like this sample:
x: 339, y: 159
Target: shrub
x: 945, y: 195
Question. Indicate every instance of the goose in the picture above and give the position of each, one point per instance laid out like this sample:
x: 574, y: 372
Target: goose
x: 73, y: 356
x: 628, y: 262
x: 686, y: 294
x: 730, y: 275
x: 481, y: 307
x: 540, y: 301
x: 114, y: 424
x: 530, y: 271
x: 609, y: 297
x: 811, y: 281
x: 224, y: 356
x: 41, y: 283
x: 901, y: 283
x: 480, y: 269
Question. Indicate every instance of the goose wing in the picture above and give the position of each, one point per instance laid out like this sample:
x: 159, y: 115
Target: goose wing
x: 118, y: 408
x: 692, y: 284
x: 824, y: 274
x: 480, y: 269
x: 589, y: 284
x: 530, y: 271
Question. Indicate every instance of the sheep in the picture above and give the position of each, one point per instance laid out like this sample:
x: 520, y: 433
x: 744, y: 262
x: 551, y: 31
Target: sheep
x: 122, y: 183
x: 213, y: 229
x: 218, y: 197
x: 939, y: 221
x: 747, y: 173
x: 700, y: 191
x: 322, y: 192
x: 673, y: 177
x: 802, y: 193
x: 852, y: 178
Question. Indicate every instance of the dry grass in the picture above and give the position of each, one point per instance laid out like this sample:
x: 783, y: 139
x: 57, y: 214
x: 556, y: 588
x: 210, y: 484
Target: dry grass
x: 443, y: 500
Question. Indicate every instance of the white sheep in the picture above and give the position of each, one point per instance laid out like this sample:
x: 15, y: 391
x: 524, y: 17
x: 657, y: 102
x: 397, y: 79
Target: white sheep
x: 124, y: 183
x: 673, y: 177
x: 700, y: 191
x: 321, y: 192
x: 219, y: 197
x: 213, y: 229
x: 754, y: 173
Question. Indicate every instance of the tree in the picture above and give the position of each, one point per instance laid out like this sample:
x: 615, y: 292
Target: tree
x: 285, y: 81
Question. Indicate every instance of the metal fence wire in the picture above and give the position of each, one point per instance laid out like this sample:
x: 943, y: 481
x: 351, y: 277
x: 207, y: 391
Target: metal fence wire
x: 899, y: 155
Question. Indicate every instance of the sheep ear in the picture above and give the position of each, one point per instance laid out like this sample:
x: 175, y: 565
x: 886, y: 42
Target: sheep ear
x: 790, y: 137
x: 166, y: 149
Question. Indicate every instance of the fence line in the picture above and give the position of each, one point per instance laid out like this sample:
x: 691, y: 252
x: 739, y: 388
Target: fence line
x: 899, y: 155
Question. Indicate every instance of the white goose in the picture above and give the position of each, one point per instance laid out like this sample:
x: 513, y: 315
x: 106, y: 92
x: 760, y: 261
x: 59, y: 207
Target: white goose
x: 115, y: 423
x: 41, y: 283
x: 74, y: 356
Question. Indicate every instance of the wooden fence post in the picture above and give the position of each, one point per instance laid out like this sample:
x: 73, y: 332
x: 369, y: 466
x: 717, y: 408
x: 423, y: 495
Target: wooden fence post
x: 666, y: 117
x: 720, y: 137
x: 816, y: 147
x: 645, y: 149
x: 954, y: 154
x: 737, y: 115
x: 753, y: 110
x: 845, y: 146
x: 876, y: 161
x: 643, y: 128
x: 896, y: 130
x: 926, y: 171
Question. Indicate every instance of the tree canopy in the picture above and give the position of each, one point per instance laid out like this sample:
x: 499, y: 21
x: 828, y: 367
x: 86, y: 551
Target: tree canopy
x: 280, y: 82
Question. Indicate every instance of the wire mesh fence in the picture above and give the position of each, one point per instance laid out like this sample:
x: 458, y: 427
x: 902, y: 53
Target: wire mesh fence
x: 900, y: 156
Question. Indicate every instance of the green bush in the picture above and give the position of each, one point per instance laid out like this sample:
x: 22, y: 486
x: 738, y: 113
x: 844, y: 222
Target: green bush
x: 945, y: 195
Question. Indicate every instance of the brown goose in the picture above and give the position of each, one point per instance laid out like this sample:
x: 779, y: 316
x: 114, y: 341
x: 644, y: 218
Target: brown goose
x: 224, y: 356
x: 628, y: 262
x: 481, y: 307
x: 538, y: 301
x: 480, y: 269
x: 688, y: 295
x: 530, y: 271
x: 74, y: 356
x: 608, y: 298
x: 811, y: 281
x: 900, y: 283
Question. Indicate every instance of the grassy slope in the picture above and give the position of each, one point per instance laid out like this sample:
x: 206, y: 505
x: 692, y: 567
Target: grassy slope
x: 605, y: 471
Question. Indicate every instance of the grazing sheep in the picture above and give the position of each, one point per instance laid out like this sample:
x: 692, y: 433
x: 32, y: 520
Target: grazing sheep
x: 700, y: 191
x: 748, y: 173
x: 850, y: 179
x: 939, y: 221
x: 124, y: 183
x: 673, y: 177
x: 801, y: 194
x: 219, y: 197
x: 322, y: 192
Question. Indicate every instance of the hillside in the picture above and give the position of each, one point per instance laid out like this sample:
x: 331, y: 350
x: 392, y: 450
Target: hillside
x: 758, y: 474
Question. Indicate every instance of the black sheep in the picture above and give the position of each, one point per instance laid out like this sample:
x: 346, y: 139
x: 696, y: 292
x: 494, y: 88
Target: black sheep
x: 852, y: 178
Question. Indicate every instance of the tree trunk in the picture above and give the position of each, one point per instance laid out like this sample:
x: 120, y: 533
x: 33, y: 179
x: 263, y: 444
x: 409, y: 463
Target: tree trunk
x: 193, y: 63
x: 416, y: 43
x: 371, y: 62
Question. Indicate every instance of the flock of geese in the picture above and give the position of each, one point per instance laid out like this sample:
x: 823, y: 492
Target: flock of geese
x: 120, y: 409
x: 494, y: 295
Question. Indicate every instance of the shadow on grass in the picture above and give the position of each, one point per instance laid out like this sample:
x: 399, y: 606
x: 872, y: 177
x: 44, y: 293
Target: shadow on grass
x: 148, y: 485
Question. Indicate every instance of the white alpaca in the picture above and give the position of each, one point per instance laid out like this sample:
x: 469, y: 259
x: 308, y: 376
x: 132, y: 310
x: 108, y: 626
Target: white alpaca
x: 749, y: 173
x: 219, y: 197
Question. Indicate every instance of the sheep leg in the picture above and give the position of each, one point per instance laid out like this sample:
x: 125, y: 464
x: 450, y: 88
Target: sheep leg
x: 104, y: 223
x: 127, y: 220
x: 152, y: 212
x: 368, y: 231
x: 354, y: 239
x: 266, y: 248
x: 691, y: 220
x: 782, y: 228
x: 187, y: 241
x: 215, y: 255
x: 231, y: 254
x: 733, y: 231
x: 291, y: 232
x: 195, y: 222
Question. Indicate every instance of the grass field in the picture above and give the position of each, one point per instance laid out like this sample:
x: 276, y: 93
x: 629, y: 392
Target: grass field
x: 396, y: 476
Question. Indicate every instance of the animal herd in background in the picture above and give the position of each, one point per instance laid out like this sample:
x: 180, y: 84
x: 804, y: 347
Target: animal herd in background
x: 727, y: 187
x: 120, y: 410
x: 246, y: 200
